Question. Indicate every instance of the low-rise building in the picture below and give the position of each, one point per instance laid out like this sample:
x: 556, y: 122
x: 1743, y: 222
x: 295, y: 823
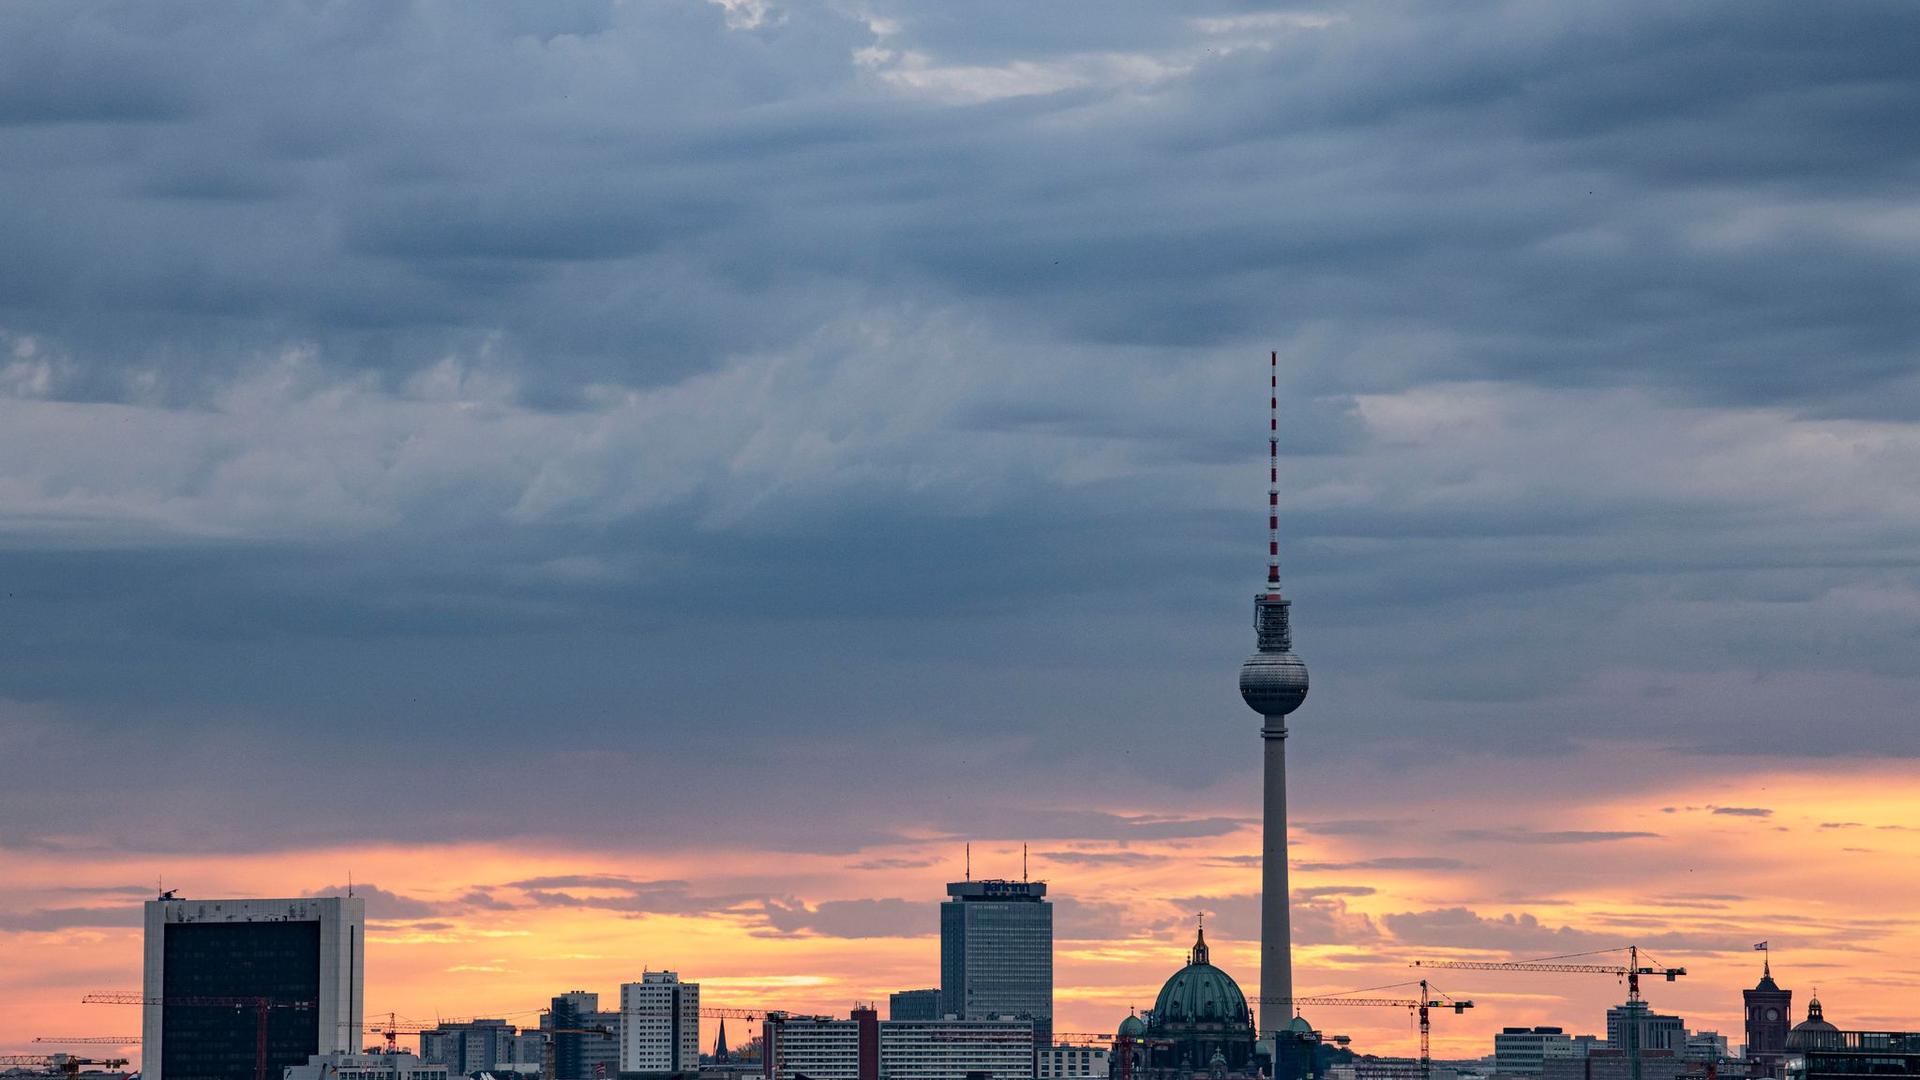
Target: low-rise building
x: 1518, y: 1051
x: 1071, y: 1062
x: 864, y: 1047
x: 338, y: 1066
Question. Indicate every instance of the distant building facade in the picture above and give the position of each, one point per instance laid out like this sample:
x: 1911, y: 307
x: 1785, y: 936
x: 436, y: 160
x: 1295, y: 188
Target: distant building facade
x: 864, y: 1047
x: 1635, y: 1024
x: 1071, y: 1062
x: 474, y: 1046
x: 659, y: 1024
x: 1519, y: 1051
x: 305, y: 955
x: 1365, y: 1068
x: 996, y: 952
x: 1612, y: 1064
x: 341, y: 1066
x: 585, y: 1038
x: 914, y: 1004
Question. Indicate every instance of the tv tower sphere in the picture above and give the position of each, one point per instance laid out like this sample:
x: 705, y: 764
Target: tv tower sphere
x: 1273, y: 683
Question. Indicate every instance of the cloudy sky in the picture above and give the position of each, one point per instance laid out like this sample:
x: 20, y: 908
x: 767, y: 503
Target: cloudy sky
x: 643, y: 483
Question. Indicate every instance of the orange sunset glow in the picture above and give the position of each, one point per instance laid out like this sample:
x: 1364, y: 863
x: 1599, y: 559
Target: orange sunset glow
x: 1826, y: 874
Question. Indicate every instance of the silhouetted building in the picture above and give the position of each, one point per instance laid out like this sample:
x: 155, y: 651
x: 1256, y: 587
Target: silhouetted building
x: 341, y: 1066
x: 1199, y: 1014
x: 1613, y: 1064
x: 474, y: 1046
x: 1825, y: 1052
x: 302, y: 956
x: 914, y: 1004
x: 996, y: 953
x: 1769, y: 1011
x: 585, y: 1038
x: 1635, y: 1024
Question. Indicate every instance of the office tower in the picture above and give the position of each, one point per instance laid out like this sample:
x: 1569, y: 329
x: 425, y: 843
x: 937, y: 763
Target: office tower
x: 470, y: 1047
x: 1273, y: 682
x: 659, y: 1024
x: 1634, y: 1024
x: 1518, y: 1051
x: 586, y: 1039
x: 914, y: 1004
x: 996, y: 952
x: 301, y: 958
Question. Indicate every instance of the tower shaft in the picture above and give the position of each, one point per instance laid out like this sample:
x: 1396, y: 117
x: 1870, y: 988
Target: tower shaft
x: 1276, y: 924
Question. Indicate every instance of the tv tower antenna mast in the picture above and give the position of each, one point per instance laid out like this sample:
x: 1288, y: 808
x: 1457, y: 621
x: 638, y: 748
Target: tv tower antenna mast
x: 1273, y: 682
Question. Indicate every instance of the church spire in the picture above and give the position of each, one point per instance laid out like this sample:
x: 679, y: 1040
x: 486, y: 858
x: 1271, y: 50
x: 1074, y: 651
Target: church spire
x: 720, y: 1044
x: 1199, y: 955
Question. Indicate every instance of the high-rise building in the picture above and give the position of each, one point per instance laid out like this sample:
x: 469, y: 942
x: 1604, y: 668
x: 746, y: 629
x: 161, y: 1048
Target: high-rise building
x: 586, y: 1038
x: 914, y: 1004
x: 1634, y: 1024
x: 1518, y: 1051
x: 996, y: 952
x: 864, y: 1047
x: 1769, y: 1013
x: 303, y: 957
x: 659, y: 1024
x: 470, y: 1047
x: 1273, y: 682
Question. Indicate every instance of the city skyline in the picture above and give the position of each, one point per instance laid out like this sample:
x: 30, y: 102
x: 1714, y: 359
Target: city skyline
x: 642, y: 486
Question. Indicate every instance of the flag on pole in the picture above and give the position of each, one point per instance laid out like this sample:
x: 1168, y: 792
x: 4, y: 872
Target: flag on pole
x: 1760, y: 947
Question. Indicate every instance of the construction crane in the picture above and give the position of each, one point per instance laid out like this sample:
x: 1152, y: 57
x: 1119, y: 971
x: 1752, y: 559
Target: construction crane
x: 96, y: 1040
x: 1420, y: 1006
x: 68, y: 1065
x: 1633, y: 970
x: 261, y: 1006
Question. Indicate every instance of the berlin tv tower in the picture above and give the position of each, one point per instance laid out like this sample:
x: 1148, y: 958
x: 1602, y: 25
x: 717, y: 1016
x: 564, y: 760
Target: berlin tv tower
x: 1274, y: 683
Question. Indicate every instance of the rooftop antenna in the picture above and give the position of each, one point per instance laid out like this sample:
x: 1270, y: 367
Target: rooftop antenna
x: 969, y: 860
x: 349, y: 884
x: 1023, y: 862
x: 1273, y: 472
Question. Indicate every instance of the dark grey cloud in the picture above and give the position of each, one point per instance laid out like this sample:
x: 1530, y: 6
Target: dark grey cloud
x: 864, y: 918
x: 41, y: 920
x: 1743, y: 811
x: 384, y: 903
x: 420, y: 374
x: 1552, y: 836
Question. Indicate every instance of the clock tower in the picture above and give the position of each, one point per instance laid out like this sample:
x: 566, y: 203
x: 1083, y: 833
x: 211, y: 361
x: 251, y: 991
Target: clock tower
x: 1768, y: 1007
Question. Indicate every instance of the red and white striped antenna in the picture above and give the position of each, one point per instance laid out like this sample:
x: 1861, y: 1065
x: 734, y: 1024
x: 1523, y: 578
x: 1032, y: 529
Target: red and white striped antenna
x: 1273, y: 474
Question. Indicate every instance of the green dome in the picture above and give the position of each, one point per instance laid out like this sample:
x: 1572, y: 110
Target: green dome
x: 1133, y: 1026
x: 1200, y: 994
x: 1299, y: 1025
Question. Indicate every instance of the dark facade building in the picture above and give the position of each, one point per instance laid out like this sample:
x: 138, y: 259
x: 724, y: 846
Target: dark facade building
x: 1817, y: 1050
x: 300, y: 959
x: 996, y: 953
x: 1769, y: 1011
x: 914, y: 1004
x: 1200, y: 1022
